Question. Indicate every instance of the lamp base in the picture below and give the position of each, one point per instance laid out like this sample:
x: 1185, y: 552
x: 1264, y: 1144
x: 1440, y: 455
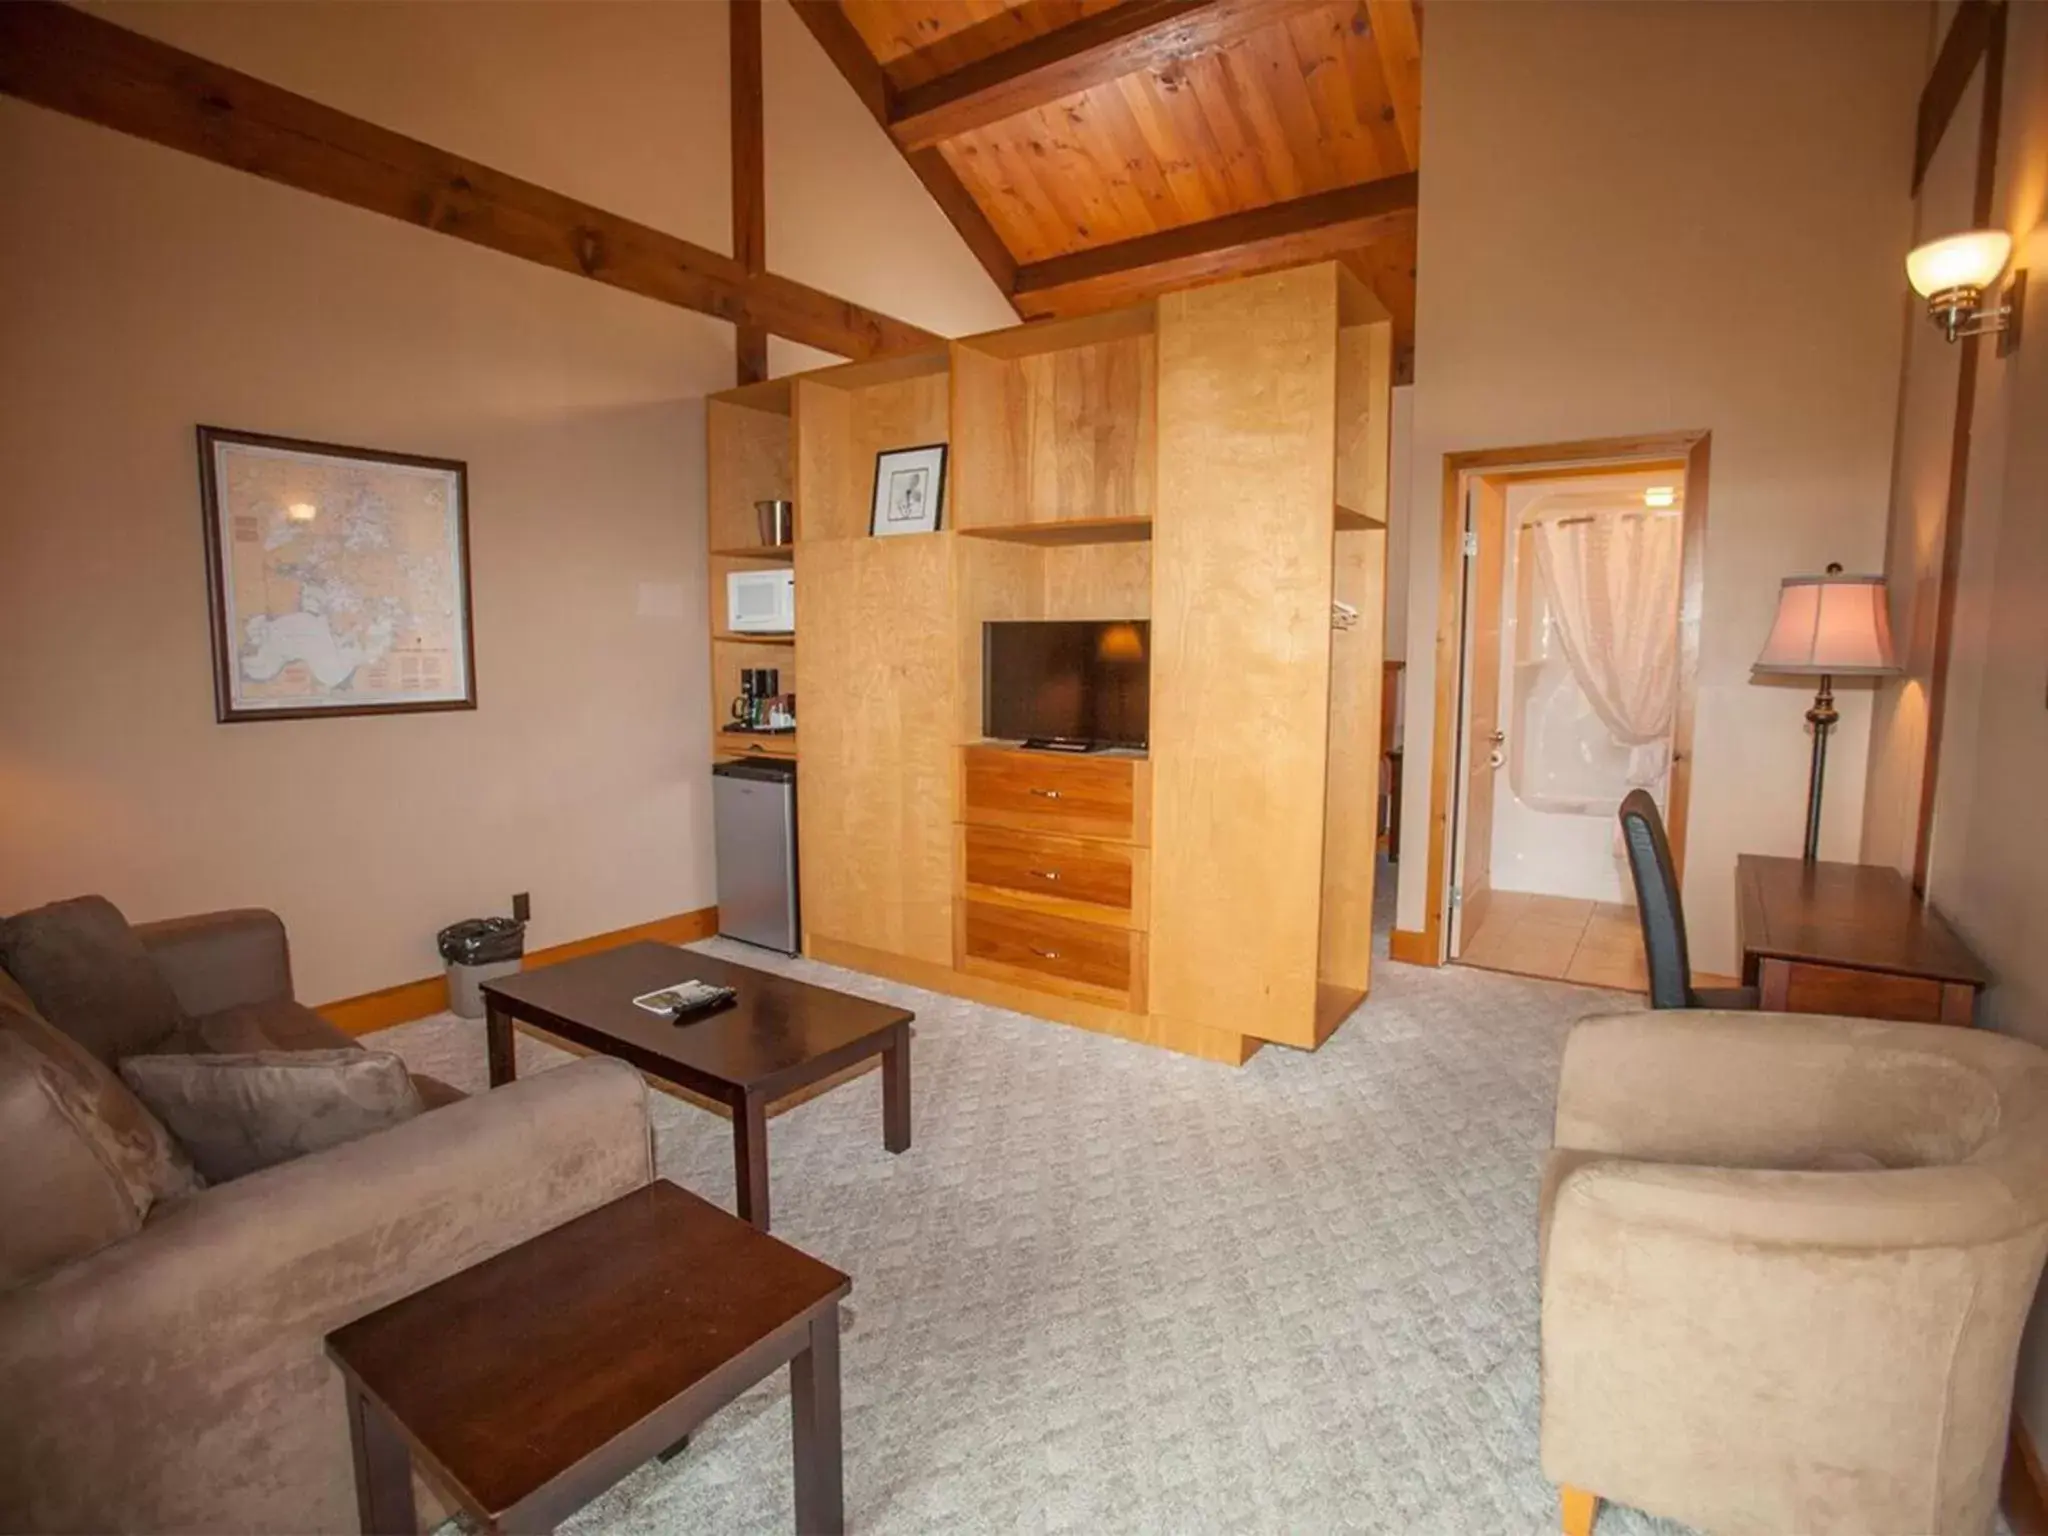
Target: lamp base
x: 1822, y: 718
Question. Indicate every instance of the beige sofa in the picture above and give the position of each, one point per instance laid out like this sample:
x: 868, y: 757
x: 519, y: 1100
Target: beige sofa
x: 1786, y: 1261
x: 176, y: 1378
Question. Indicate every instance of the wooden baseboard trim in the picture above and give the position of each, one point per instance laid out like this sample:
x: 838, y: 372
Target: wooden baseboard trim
x: 1411, y: 947
x: 2024, y: 1491
x: 401, y: 1004
x: 411, y: 1000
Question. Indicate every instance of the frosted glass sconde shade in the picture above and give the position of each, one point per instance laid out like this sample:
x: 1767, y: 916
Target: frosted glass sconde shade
x: 1830, y: 624
x: 1969, y: 260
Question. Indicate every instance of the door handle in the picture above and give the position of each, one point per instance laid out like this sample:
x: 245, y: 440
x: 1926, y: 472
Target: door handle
x: 1043, y: 954
x: 1044, y: 874
x: 1498, y: 737
x: 1046, y: 794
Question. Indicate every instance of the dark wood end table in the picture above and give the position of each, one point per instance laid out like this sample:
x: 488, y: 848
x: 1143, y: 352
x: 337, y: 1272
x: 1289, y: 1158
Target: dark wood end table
x: 532, y: 1382
x: 1850, y: 939
x: 782, y: 1035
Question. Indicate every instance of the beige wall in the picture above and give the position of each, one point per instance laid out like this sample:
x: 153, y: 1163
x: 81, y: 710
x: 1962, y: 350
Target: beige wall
x: 1652, y: 217
x: 849, y: 219
x: 142, y: 292
x: 1990, y: 867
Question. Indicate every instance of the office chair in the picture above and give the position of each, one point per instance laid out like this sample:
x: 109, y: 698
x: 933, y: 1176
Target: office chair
x: 1663, y: 915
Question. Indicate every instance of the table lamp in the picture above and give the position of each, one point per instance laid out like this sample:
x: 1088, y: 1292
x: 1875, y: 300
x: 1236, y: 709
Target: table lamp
x: 1828, y: 626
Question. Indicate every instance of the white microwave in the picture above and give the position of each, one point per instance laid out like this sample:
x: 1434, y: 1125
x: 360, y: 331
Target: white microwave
x: 760, y: 602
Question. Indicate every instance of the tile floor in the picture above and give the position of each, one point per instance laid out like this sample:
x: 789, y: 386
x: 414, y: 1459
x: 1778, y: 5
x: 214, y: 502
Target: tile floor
x: 1559, y: 938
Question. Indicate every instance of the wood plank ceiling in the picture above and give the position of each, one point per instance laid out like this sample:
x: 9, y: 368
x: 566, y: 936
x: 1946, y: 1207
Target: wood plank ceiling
x: 1116, y: 148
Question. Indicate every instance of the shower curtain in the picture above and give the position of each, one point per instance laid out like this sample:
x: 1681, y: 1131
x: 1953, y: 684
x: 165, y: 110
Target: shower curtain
x: 1612, y: 584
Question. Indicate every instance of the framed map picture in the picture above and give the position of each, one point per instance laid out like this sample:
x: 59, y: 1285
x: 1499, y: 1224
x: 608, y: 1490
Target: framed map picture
x: 339, y: 579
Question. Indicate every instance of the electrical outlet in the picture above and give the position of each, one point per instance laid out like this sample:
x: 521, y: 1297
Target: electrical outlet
x: 522, y: 907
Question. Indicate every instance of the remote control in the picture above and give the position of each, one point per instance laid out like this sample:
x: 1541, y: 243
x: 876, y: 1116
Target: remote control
x: 687, y: 1001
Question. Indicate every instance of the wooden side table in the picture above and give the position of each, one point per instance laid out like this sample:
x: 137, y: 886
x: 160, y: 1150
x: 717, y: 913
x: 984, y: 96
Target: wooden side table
x: 532, y: 1382
x: 1850, y: 939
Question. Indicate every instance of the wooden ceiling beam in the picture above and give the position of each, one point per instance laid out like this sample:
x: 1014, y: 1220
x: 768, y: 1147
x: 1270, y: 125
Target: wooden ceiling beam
x: 1305, y: 229
x: 749, y: 173
x: 1962, y: 48
x: 1136, y: 35
x: 75, y: 63
x: 848, y: 51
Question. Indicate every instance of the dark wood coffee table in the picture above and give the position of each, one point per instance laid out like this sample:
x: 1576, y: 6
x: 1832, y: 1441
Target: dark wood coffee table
x: 529, y: 1384
x: 783, y: 1035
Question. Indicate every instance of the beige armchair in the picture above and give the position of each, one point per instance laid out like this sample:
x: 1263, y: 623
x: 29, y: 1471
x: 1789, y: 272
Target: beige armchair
x: 1786, y: 1261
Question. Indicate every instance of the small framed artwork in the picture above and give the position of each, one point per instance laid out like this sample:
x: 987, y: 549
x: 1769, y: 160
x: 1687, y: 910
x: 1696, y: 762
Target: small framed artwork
x: 338, y: 579
x: 909, y: 485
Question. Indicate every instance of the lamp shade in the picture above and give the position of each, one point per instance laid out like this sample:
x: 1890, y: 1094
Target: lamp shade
x: 1833, y: 623
x: 1970, y: 260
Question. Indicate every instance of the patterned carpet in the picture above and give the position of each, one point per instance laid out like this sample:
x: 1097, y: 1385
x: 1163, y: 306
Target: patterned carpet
x: 1113, y: 1289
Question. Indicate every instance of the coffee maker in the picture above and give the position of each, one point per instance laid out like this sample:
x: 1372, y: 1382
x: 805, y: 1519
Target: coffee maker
x: 762, y: 706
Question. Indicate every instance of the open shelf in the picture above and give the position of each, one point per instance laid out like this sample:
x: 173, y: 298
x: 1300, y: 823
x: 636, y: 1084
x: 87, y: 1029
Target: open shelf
x: 1072, y: 530
x: 754, y: 744
x: 747, y: 452
x: 853, y: 413
x: 727, y: 637
x: 1055, y: 418
x: 1351, y: 521
x: 757, y: 552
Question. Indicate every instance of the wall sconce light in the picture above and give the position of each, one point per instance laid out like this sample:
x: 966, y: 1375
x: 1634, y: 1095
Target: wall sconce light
x: 1951, y: 274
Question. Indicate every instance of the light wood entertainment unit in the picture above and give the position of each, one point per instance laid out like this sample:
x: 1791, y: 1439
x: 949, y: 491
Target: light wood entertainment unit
x: 1214, y: 461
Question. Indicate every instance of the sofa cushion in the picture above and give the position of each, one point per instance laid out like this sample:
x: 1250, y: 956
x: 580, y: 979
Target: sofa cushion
x: 277, y: 1025
x: 236, y: 1114
x: 59, y: 1198
x: 81, y: 1161
x: 89, y: 975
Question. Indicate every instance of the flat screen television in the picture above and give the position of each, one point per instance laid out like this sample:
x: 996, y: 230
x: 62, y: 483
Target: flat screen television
x: 1067, y: 682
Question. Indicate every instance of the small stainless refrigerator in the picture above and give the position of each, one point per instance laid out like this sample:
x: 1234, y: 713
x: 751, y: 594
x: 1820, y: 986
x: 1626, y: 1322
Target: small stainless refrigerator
x: 753, y: 811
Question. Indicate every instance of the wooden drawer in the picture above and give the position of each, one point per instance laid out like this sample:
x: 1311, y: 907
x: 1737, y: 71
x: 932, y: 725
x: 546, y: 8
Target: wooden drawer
x: 1045, y: 792
x: 1053, y: 872
x: 1061, y: 954
x: 1796, y: 987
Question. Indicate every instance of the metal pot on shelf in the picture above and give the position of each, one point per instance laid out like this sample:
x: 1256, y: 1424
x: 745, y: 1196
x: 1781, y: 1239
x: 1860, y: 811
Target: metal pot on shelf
x: 777, y: 521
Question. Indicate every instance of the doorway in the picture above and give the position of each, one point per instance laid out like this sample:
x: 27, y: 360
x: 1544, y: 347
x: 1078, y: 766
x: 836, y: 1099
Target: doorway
x: 1572, y: 627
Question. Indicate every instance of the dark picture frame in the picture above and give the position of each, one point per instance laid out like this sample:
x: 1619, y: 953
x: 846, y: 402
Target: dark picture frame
x: 230, y: 706
x: 905, y: 472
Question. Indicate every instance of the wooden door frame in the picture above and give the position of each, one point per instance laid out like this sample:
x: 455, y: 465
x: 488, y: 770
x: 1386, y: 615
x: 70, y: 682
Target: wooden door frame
x: 1551, y: 461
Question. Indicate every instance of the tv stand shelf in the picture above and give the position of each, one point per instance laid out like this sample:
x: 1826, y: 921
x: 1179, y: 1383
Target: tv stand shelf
x: 1138, y: 754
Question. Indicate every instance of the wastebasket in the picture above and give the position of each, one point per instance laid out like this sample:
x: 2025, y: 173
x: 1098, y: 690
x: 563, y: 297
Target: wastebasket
x: 478, y: 950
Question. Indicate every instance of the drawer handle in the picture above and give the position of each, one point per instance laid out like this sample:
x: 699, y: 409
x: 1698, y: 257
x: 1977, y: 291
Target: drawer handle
x: 1043, y: 954
x: 1046, y: 794
x: 1044, y: 874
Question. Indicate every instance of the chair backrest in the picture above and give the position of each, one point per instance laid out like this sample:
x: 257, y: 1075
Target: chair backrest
x: 1657, y: 902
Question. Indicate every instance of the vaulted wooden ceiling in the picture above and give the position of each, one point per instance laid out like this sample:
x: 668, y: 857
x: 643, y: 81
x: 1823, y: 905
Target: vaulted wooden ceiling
x: 1092, y: 152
